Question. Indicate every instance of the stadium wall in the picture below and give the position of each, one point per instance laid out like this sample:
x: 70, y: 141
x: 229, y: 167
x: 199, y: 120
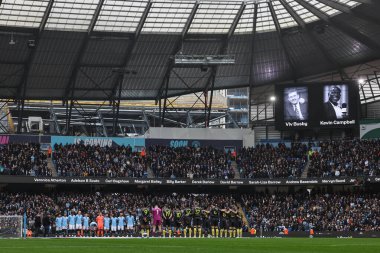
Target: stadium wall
x: 324, y: 234
x: 200, y: 137
x: 370, y: 129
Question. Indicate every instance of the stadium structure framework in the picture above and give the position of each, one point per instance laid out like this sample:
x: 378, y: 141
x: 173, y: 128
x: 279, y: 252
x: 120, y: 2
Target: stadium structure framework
x: 83, y: 57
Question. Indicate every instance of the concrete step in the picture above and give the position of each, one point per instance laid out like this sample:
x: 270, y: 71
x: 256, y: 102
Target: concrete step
x: 240, y: 209
x: 150, y: 173
x: 51, y: 166
x: 237, y: 173
x: 306, y: 170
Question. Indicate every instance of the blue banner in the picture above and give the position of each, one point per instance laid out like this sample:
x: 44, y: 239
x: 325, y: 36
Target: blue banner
x: 136, y: 143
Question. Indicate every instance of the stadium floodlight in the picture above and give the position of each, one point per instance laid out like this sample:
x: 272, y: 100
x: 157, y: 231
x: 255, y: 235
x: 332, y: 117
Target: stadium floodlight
x: 203, y: 60
x: 272, y: 98
x: 361, y: 81
x: 12, y: 41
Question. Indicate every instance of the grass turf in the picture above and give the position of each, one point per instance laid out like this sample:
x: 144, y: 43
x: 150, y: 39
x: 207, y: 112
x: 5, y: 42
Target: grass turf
x: 284, y: 245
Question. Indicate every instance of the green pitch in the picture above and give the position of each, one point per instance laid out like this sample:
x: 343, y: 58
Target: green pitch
x: 287, y: 245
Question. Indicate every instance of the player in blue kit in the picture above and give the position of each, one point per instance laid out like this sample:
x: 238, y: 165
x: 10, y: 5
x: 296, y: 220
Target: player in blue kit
x: 107, y: 223
x: 65, y: 222
x: 86, y: 225
x: 130, y: 224
x: 120, y: 224
x: 113, y: 225
x: 58, y: 225
x: 78, y: 223
x: 71, y: 224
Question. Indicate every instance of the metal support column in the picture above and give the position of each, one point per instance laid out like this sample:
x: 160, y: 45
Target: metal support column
x: 211, y: 96
x: 21, y: 104
x: 166, y: 98
x: 117, y: 104
x: 69, y: 110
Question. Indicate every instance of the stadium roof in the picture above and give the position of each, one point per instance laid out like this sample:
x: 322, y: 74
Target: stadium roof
x: 67, y: 49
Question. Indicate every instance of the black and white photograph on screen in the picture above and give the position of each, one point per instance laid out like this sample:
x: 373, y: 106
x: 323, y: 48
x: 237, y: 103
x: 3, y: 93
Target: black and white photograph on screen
x: 336, y: 102
x: 296, y: 104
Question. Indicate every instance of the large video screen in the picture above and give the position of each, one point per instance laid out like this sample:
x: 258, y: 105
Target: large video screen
x: 316, y: 105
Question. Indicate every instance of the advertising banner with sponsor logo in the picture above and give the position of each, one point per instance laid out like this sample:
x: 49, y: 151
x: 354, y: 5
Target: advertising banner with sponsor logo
x: 136, y: 143
x: 185, y: 181
x: 178, y: 143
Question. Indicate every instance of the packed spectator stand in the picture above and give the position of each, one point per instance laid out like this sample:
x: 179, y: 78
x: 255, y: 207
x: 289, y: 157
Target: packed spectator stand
x: 346, y: 158
x: 95, y: 161
x: 343, y: 158
x: 23, y: 159
x: 190, y: 162
x: 322, y: 212
x: 344, y: 211
x: 268, y: 161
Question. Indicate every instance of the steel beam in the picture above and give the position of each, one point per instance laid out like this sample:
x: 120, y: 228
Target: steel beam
x: 251, y: 72
x: 291, y: 63
x: 177, y: 47
x: 117, y: 104
x: 348, y: 30
x: 70, y: 87
x: 21, y: 88
x: 370, y: 86
x: 131, y: 47
x: 45, y: 16
x: 166, y: 98
x: 210, y: 103
x: 21, y: 104
x: 312, y: 37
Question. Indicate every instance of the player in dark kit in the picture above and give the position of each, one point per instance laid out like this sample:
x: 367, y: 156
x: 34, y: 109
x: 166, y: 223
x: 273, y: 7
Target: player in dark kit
x: 197, y: 220
x: 187, y: 215
x: 232, y: 221
x: 167, y: 216
x: 178, y: 220
x: 206, y: 222
x: 145, y: 228
x: 214, y: 220
x: 239, y: 225
x: 224, y: 213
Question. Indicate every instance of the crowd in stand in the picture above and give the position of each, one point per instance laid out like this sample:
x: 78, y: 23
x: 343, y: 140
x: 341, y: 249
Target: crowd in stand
x: 190, y: 162
x: 267, y: 212
x: 346, y: 158
x: 322, y: 212
x: 268, y: 161
x: 51, y: 205
x: 81, y: 160
x: 343, y: 158
x: 23, y: 159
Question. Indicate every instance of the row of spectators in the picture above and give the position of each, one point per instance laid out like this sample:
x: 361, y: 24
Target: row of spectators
x: 23, y: 159
x: 268, y: 161
x: 322, y: 212
x: 343, y: 158
x: 190, y: 162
